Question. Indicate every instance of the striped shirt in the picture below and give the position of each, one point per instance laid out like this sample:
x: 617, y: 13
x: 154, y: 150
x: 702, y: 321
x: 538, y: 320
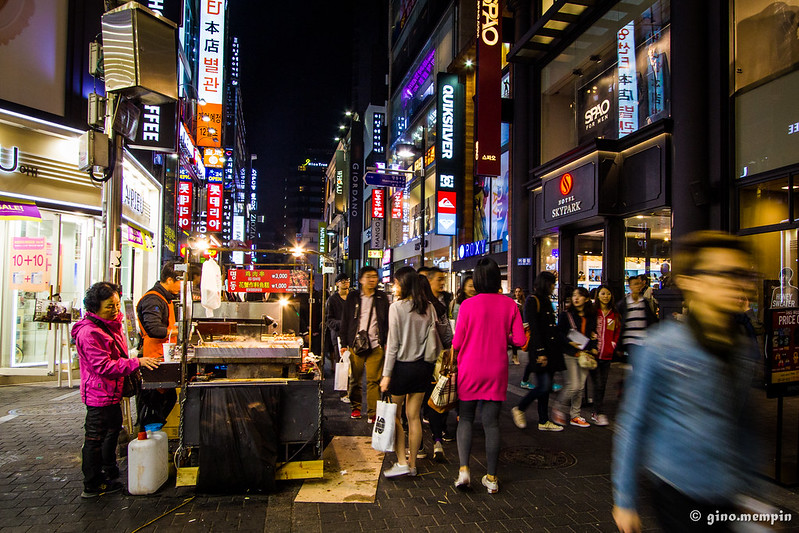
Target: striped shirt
x: 634, y: 322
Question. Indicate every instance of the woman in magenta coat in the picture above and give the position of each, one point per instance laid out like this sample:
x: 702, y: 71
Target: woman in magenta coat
x: 487, y: 323
x: 104, y: 363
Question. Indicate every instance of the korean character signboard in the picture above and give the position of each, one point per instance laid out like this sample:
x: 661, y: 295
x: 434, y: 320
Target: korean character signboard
x: 215, y: 192
x: 628, y: 81
x: 211, y: 64
x: 183, y: 208
x: 378, y: 203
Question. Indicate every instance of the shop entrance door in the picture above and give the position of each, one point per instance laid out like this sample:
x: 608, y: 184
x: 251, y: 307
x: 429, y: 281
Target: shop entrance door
x: 590, y: 250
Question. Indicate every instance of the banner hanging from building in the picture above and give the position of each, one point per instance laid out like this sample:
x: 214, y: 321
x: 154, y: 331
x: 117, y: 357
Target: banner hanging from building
x: 215, y: 187
x: 356, y: 191
x: 338, y: 186
x: 488, y: 112
x: 183, y: 209
x: 449, y: 152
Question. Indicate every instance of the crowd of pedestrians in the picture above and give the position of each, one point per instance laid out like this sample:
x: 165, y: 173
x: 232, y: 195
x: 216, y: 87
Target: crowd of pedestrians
x: 482, y: 331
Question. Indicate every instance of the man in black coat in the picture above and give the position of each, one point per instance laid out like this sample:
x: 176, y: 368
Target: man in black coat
x: 365, y: 311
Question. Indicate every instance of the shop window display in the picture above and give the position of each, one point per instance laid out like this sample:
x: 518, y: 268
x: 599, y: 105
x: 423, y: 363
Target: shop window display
x: 648, y: 248
x: 777, y: 262
x: 31, y: 343
x: 589, y: 259
x: 548, y: 256
x: 608, y: 84
x: 764, y: 204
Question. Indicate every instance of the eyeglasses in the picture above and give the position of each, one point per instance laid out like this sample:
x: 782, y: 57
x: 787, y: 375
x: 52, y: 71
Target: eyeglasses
x: 735, y: 274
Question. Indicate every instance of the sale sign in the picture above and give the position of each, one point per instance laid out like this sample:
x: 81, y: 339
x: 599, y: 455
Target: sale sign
x: 30, y: 264
x: 263, y: 281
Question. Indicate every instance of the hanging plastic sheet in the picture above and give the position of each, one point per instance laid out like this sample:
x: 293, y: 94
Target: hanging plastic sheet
x: 238, y: 438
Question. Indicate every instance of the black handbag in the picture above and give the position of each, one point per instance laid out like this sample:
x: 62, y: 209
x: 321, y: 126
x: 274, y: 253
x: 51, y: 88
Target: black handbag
x: 131, y: 386
x: 361, y: 345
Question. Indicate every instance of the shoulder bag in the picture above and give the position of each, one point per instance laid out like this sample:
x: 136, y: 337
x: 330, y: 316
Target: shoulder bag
x: 361, y: 345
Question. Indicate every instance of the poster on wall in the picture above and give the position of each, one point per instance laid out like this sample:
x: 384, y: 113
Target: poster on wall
x: 482, y: 203
x: 782, y: 352
x: 30, y: 264
x: 500, y: 190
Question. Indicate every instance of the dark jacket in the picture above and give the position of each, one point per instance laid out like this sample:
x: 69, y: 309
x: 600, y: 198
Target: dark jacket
x: 153, y: 314
x: 351, y: 318
x: 540, y: 315
x: 334, y: 311
x: 564, y: 325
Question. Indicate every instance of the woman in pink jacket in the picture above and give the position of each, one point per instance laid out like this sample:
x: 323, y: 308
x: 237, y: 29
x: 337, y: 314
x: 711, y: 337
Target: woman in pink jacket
x: 487, y: 322
x: 104, y: 363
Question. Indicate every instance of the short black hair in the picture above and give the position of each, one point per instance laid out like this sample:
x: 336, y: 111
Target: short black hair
x: 342, y: 277
x: 423, y: 270
x: 97, y: 293
x: 689, y: 249
x: 365, y: 270
x: 168, y: 271
x: 487, y: 276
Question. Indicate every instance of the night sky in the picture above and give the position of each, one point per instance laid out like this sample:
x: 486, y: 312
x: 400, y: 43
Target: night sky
x: 296, y: 77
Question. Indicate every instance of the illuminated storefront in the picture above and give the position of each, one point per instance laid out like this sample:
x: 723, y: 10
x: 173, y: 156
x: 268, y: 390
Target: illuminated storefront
x: 51, y: 235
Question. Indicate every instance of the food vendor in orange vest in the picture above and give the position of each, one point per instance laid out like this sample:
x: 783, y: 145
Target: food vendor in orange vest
x: 156, y: 315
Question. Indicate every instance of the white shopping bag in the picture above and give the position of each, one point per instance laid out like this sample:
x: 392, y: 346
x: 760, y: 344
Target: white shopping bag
x: 383, y: 431
x: 342, y: 376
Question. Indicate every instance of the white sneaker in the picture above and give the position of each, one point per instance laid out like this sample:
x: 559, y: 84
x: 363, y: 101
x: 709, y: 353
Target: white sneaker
x: 518, y: 417
x: 491, y: 486
x: 397, y: 470
x: 464, y: 479
x: 345, y: 399
x: 600, y: 420
x: 438, y: 452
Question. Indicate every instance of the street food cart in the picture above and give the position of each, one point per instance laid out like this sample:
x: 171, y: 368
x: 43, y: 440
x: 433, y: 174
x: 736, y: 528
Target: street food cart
x: 250, y: 401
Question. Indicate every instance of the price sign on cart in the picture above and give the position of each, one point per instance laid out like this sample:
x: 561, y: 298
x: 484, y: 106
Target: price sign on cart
x: 240, y: 280
x: 30, y: 263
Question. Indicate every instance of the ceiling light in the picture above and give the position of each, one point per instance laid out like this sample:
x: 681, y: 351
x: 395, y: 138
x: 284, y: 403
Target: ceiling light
x: 342, y: 127
x: 348, y: 113
x: 469, y: 63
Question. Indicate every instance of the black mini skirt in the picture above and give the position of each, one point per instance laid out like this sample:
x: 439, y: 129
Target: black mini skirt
x: 410, y: 377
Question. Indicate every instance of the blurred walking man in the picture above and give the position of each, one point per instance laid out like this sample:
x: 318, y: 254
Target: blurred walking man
x: 683, y: 420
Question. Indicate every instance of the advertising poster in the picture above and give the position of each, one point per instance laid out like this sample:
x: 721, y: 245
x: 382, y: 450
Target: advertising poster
x: 500, y: 190
x: 482, y: 202
x: 782, y: 352
x: 31, y: 263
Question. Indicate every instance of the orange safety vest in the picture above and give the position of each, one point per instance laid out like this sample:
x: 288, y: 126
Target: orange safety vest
x: 153, y: 347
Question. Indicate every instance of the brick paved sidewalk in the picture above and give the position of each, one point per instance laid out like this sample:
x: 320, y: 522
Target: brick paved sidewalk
x: 41, y: 432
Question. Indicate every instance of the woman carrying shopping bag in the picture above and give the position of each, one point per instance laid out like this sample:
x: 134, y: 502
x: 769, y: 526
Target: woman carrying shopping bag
x: 411, y: 350
x: 487, y: 322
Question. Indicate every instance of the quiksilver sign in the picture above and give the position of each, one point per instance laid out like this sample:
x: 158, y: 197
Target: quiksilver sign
x: 447, y: 120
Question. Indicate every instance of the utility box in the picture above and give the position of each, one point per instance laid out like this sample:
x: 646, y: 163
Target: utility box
x: 92, y: 150
x: 140, y: 54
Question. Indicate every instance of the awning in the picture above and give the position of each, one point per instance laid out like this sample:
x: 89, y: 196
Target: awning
x: 558, y: 26
x: 18, y: 209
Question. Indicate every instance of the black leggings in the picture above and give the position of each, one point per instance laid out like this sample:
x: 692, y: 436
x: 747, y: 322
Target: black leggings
x: 99, y: 454
x: 490, y: 417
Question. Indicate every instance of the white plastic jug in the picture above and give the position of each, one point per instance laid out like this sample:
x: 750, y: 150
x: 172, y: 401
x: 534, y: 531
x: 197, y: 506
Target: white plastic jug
x: 147, y: 464
x: 163, y: 442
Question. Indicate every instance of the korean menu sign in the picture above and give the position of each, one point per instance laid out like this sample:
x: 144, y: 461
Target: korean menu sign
x: 782, y: 352
x: 266, y: 281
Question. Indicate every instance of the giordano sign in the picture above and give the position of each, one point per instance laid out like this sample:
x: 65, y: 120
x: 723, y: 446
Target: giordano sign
x: 571, y: 195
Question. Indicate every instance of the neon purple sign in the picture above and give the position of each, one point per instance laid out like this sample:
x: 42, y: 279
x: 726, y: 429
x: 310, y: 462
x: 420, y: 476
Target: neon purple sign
x: 421, y: 75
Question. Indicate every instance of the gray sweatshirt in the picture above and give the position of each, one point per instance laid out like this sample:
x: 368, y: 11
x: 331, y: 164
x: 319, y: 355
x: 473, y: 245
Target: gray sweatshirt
x: 407, y: 334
